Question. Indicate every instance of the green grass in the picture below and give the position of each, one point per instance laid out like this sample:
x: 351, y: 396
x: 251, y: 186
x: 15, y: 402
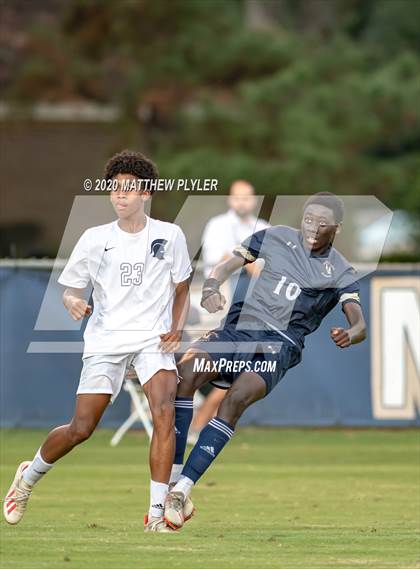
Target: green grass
x: 275, y: 498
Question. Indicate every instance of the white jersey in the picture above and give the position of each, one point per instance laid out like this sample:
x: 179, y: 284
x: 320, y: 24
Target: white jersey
x: 133, y: 277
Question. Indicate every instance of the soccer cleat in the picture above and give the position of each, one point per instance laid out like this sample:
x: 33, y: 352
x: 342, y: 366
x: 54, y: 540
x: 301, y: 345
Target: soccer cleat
x: 156, y: 524
x: 14, y: 505
x: 174, y: 510
x: 189, y: 509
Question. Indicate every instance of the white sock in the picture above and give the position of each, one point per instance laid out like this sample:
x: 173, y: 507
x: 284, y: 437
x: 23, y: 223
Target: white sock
x: 158, y: 492
x: 183, y: 485
x: 176, y: 473
x: 36, y: 469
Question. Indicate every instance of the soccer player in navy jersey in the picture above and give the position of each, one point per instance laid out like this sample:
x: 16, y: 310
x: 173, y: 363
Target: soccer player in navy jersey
x: 262, y: 337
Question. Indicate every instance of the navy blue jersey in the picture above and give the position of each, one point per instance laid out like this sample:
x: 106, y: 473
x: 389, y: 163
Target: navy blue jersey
x: 296, y: 288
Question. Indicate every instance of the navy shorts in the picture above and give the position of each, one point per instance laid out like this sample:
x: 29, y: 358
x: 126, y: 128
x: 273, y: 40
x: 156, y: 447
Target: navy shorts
x: 234, y: 352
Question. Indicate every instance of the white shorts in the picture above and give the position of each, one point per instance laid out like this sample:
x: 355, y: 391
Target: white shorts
x: 105, y: 373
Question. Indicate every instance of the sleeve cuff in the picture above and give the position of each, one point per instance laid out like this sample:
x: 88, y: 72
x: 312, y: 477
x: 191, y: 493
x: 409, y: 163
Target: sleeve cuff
x: 349, y: 301
x: 184, y: 277
x: 241, y: 251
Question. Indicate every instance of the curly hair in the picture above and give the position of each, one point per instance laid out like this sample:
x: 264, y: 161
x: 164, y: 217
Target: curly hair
x: 130, y: 162
x: 329, y: 200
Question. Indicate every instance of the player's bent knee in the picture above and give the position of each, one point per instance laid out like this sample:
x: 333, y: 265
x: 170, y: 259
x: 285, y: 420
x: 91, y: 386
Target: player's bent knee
x: 80, y: 431
x: 232, y: 407
x: 163, y: 414
x: 239, y: 397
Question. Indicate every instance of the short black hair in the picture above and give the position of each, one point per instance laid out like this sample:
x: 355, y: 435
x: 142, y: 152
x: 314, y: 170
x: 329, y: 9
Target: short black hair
x: 329, y: 200
x: 130, y: 162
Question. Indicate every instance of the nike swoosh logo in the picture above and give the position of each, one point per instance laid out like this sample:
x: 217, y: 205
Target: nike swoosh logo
x: 109, y: 248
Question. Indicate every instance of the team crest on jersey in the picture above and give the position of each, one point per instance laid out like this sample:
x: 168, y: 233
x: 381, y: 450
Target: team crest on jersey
x: 328, y: 269
x: 157, y: 248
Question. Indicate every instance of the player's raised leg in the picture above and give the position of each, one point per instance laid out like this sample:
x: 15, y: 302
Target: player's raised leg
x: 60, y: 441
x: 248, y: 388
x: 160, y: 391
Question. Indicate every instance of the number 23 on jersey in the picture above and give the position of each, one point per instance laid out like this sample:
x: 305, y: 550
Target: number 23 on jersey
x: 131, y: 274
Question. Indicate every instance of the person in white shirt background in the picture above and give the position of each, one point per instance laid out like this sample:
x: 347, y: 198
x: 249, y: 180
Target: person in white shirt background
x: 139, y: 268
x: 223, y: 232
x: 221, y: 235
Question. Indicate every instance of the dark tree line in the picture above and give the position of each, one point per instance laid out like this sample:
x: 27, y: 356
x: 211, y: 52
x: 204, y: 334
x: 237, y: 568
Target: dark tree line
x: 295, y: 95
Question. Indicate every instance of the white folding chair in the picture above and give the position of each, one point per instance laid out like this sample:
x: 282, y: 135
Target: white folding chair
x: 139, y: 411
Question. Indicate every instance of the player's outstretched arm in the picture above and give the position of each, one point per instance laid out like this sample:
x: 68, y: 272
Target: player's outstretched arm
x: 344, y: 338
x: 212, y: 300
x: 75, y: 304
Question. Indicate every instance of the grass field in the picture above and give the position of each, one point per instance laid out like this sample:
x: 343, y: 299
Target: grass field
x: 276, y: 498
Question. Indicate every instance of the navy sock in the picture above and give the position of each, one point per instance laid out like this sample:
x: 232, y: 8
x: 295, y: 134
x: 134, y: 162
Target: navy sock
x: 183, y: 418
x: 210, y: 443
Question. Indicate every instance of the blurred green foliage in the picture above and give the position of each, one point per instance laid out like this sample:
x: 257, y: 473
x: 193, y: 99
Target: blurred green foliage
x: 323, y: 96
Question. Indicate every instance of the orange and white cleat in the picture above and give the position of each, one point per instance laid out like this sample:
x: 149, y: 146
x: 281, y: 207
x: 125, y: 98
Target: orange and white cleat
x: 178, y: 509
x: 171, y: 504
x: 189, y: 509
x: 14, y: 505
x: 156, y: 525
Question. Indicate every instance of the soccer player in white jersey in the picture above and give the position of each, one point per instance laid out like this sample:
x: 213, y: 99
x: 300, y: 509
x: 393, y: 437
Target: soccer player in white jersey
x: 139, y: 268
